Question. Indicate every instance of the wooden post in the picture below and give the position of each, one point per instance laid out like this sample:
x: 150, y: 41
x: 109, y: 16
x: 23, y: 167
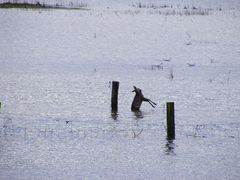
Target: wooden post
x: 114, y: 101
x: 170, y: 121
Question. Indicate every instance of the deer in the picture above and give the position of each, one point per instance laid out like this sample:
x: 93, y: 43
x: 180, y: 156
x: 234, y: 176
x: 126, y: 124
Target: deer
x: 139, y: 98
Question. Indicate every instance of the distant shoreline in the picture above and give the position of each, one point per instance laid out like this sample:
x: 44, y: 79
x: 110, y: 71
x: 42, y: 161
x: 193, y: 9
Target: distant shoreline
x: 10, y: 5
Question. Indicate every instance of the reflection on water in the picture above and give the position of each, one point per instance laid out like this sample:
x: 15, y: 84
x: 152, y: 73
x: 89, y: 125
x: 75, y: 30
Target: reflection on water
x: 114, y: 115
x: 138, y: 114
x: 170, y: 147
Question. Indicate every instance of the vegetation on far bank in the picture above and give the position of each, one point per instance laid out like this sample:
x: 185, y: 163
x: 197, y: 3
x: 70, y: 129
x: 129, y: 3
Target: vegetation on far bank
x: 37, y: 5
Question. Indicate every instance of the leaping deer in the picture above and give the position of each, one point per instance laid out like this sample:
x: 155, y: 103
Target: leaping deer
x: 139, y: 98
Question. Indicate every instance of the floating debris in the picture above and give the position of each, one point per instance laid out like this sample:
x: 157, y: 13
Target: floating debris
x: 67, y: 122
x: 167, y: 60
x: 188, y: 43
x: 157, y: 66
x: 191, y: 64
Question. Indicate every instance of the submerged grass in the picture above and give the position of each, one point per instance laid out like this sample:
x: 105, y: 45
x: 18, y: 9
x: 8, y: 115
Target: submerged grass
x: 168, y: 10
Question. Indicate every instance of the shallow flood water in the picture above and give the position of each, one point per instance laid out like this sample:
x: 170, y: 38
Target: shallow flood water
x: 55, y: 88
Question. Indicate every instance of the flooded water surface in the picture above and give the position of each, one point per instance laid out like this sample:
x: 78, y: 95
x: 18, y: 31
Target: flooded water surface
x: 55, y: 91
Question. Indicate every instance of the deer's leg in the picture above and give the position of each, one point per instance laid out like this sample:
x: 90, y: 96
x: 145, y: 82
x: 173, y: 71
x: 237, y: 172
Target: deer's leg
x: 150, y: 102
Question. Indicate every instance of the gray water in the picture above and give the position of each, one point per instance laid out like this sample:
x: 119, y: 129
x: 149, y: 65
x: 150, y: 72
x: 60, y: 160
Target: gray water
x: 55, y: 88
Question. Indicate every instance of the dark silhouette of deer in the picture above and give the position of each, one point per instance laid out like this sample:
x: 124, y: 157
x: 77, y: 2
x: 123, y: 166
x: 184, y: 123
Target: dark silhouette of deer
x: 139, y: 98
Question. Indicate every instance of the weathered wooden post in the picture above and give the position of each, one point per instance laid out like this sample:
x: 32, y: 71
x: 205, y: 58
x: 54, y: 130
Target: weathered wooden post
x: 170, y: 121
x: 114, y: 101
